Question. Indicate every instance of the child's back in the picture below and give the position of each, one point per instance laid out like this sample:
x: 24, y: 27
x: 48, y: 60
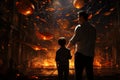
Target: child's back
x: 63, y: 55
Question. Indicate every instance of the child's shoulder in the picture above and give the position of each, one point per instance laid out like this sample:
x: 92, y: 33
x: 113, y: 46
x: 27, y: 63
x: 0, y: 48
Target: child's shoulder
x: 62, y: 49
x: 67, y: 49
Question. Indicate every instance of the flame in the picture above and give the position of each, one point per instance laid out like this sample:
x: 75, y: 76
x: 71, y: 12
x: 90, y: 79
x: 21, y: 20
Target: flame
x: 78, y: 3
x: 98, y: 11
x: 36, y: 48
x: 38, y: 17
x: 43, y: 36
x: 97, y: 63
x: 50, y: 9
x: 90, y: 16
x: 25, y: 7
x: 49, y: 60
x: 63, y: 23
x: 67, y: 14
x: 107, y: 13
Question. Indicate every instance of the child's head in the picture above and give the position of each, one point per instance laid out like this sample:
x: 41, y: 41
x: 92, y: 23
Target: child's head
x: 62, y: 41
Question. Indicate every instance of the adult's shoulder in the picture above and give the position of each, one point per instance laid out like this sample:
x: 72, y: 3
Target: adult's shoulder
x: 77, y: 27
x: 67, y: 48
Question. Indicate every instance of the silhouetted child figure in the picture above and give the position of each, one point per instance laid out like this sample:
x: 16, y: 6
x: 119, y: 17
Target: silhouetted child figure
x: 62, y: 60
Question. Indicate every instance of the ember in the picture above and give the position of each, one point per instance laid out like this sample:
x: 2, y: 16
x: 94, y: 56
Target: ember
x: 25, y: 7
x: 78, y: 3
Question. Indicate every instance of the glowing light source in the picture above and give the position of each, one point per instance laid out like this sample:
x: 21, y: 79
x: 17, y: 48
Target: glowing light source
x: 25, y: 7
x: 78, y: 3
x: 44, y: 36
x: 37, y: 48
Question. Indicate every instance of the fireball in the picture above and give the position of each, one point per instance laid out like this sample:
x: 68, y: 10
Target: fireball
x: 25, y: 7
x: 78, y: 4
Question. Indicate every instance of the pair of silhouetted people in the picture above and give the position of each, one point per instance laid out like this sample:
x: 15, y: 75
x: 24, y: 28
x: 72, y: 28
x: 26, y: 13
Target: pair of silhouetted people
x: 84, y: 38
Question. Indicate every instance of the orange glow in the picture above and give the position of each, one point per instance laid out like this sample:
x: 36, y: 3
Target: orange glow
x: 25, y: 7
x: 112, y: 9
x: 50, y: 9
x: 107, y: 13
x: 38, y: 48
x: 44, y: 36
x: 90, y: 16
x: 35, y: 47
x: 97, y: 63
x: 34, y: 77
x: 37, y: 17
x: 68, y: 14
x: 98, y: 11
x: 17, y: 75
x: 78, y: 3
x: 63, y: 23
x: 49, y: 61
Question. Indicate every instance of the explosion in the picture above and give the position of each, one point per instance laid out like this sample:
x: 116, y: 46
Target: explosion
x: 60, y: 25
x: 48, y: 20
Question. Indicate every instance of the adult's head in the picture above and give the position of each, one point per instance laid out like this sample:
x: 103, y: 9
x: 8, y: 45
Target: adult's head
x: 82, y: 16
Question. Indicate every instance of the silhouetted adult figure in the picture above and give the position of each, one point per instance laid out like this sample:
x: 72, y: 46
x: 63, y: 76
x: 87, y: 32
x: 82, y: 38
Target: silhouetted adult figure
x: 84, y: 40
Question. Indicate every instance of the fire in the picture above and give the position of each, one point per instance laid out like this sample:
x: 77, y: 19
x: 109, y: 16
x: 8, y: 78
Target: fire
x: 36, y: 48
x: 25, y: 7
x: 98, y: 11
x: 78, y: 3
x: 43, y: 63
x: 107, y: 13
x: 43, y: 36
x: 50, y: 9
x: 97, y: 63
x: 63, y: 23
x: 90, y: 16
x: 48, y: 61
